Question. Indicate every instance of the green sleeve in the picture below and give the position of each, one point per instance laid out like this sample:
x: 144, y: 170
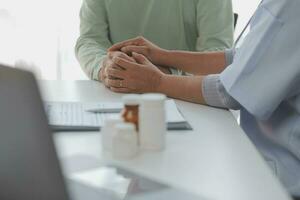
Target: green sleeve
x: 94, y: 40
x: 215, y: 25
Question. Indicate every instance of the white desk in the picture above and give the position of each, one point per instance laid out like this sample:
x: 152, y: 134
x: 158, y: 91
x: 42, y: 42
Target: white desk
x: 215, y: 160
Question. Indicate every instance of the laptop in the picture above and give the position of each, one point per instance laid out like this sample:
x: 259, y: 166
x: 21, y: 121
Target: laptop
x: 29, y: 166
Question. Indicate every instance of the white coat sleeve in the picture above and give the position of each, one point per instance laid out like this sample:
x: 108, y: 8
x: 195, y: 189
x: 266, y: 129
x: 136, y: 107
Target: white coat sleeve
x: 266, y: 67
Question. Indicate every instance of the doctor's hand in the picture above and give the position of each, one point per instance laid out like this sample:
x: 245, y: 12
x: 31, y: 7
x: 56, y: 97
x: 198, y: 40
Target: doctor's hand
x: 142, y: 46
x: 140, y: 77
x: 109, y: 64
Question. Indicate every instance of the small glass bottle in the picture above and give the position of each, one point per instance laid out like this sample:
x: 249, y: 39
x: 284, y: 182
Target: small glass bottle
x: 130, y: 112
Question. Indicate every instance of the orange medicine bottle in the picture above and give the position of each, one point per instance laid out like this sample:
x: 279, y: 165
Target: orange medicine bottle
x: 130, y: 112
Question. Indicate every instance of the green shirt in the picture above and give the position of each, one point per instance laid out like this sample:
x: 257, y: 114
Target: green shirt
x: 193, y: 25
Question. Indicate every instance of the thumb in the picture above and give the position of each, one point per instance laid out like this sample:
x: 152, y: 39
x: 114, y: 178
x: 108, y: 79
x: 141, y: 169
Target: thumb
x: 141, y: 59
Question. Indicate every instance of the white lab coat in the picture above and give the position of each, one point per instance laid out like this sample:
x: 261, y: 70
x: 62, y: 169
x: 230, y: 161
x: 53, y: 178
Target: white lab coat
x: 265, y: 79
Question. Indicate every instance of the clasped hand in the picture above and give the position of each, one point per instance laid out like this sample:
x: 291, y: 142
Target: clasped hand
x: 127, y: 70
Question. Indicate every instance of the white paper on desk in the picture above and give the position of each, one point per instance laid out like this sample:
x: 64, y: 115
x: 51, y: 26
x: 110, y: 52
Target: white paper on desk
x: 173, y: 114
x: 105, y: 107
x: 104, y: 178
x: 74, y: 114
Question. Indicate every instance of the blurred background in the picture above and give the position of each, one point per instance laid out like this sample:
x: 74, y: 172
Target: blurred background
x: 40, y: 35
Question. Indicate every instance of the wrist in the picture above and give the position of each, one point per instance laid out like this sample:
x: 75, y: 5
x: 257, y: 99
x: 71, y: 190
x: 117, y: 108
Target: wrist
x: 163, y: 82
x: 101, y: 71
x: 165, y: 58
x: 158, y: 56
x: 100, y: 74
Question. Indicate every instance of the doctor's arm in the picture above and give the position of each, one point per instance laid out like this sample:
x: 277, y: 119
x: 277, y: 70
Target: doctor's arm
x: 143, y: 77
x: 205, y: 90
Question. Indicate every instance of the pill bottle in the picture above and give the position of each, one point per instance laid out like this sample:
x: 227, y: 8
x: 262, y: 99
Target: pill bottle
x: 152, y: 122
x: 107, y: 132
x: 130, y: 112
x: 125, y: 142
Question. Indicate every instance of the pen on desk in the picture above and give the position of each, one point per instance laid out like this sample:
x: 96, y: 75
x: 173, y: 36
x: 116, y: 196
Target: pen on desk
x: 101, y: 110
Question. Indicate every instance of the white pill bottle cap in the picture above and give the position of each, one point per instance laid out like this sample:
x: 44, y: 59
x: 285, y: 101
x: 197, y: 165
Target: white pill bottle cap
x: 153, y: 100
x: 131, y: 99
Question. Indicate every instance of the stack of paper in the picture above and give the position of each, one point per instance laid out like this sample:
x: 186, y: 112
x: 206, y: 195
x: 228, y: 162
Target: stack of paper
x: 76, y: 116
